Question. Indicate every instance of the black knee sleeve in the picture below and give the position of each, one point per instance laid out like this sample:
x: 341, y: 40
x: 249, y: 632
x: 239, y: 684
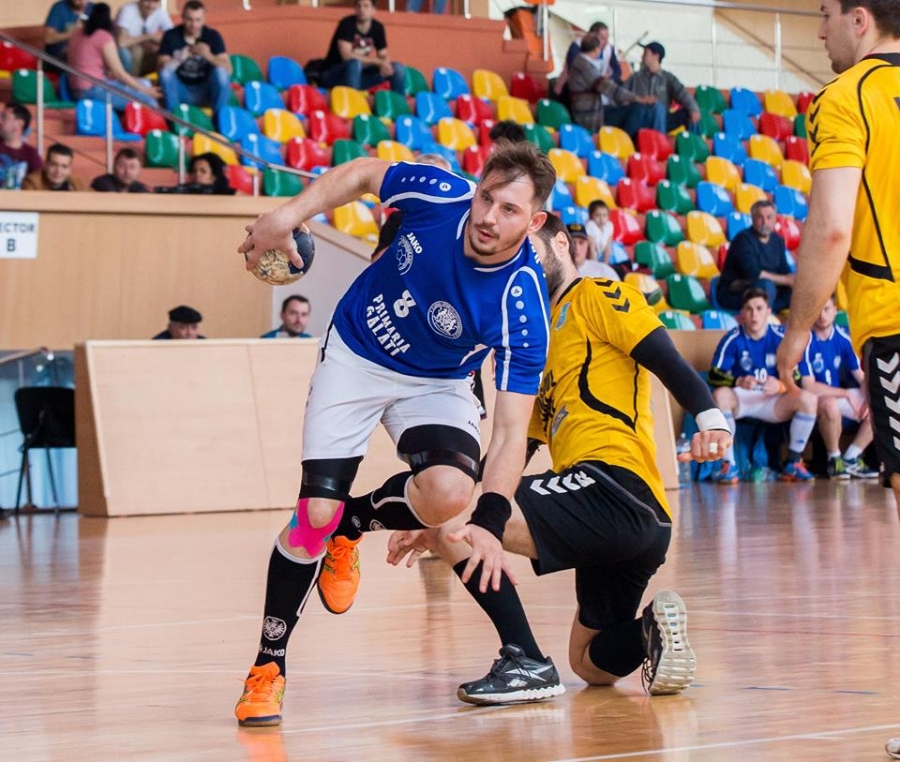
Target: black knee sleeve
x: 437, y: 445
x: 330, y: 478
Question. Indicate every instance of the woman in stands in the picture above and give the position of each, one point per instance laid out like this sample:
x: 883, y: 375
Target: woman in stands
x: 93, y: 50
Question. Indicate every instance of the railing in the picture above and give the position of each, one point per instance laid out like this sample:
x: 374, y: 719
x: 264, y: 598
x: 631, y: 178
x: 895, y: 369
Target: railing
x: 110, y: 89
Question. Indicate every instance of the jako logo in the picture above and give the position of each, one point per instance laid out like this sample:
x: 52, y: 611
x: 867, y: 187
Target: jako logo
x: 417, y: 247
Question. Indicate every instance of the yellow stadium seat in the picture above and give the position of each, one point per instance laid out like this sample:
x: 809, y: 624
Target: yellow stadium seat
x: 348, y: 103
x: 455, y: 134
x: 488, y: 85
x: 649, y: 287
x: 795, y: 174
x: 589, y: 189
x: 696, y: 260
x: 746, y: 195
x: 779, y: 102
x: 765, y: 149
x: 203, y: 144
x: 514, y: 109
x: 356, y: 219
x: 282, y: 125
x: 722, y: 172
x: 704, y: 229
x: 567, y: 165
x: 615, y: 141
x: 391, y: 150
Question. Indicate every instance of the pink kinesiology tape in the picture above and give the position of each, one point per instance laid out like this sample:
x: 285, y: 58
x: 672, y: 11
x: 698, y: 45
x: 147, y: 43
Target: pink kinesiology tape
x: 305, y: 535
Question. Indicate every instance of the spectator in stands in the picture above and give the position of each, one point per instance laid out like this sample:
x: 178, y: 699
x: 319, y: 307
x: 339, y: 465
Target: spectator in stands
x: 64, y: 17
x: 139, y: 31
x: 828, y: 366
x: 93, y: 50
x: 193, y: 65
x: 756, y: 258
x: 294, y: 319
x: 56, y: 174
x: 599, y: 230
x: 507, y: 129
x: 746, y: 385
x: 17, y: 158
x: 606, y: 62
x: 586, y: 265
x: 124, y: 177
x: 665, y: 88
x: 207, y: 177
x: 628, y: 110
x: 358, y: 55
x: 184, y: 323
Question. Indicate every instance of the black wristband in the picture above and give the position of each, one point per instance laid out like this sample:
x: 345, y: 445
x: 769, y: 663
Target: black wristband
x: 492, y: 511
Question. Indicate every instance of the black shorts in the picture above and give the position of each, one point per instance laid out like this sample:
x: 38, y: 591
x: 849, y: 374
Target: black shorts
x: 881, y: 363
x: 604, y: 522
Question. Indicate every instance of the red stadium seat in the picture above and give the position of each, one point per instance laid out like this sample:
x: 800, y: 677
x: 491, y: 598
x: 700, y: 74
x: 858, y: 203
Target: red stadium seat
x: 472, y: 110
x: 796, y: 149
x: 11, y: 58
x: 644, y: 167
x: 626, y: 227
x: 240, y: 179
x: 635, y: 194
x: 304, y: 153
x: 803, y: 101
x: 140, y: 120
x: 525, y: 86
x: 775, y: 126
x: 789, y: 229
x: 473, y: 159
x: 325, y: 127
x: 654, y: 144
x: 304, y: 99
x: 720, y: 256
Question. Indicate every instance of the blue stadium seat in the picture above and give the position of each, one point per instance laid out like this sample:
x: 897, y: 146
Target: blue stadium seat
x: 560, y: 197
x: 606, y: 167
x: 735, y: 223
x: 714, y: 199
x: 578, y: 140
x: 745, y: 100
x: 791, y: 202
x: 760, y: 174
x: 432, y: 146
x: 235, y: 123
x: 90, y: 119
x: 738, y: 125
x: 431, y: 108
x: 263, y: 147
x: 572, y: 215
x: 449, y: 83
x: 284, y: 72
x: 718, y: 320
x: 259, y: 97
x: 729, y: 147
x: 412, y: 132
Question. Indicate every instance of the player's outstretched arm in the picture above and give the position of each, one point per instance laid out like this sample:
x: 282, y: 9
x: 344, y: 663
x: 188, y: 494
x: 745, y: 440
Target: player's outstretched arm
x: 338, y: 186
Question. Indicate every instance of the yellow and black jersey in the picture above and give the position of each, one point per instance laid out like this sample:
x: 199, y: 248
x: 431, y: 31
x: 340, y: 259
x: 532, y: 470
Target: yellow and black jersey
x: 854, y: 121
x: 594, y: 401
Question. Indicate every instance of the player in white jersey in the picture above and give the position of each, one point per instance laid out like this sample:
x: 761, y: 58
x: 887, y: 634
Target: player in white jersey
x: 459, y: 279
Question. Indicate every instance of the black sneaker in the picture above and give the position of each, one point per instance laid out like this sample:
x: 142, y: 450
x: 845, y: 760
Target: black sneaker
x: 670, y: 663
x: 514, y: 679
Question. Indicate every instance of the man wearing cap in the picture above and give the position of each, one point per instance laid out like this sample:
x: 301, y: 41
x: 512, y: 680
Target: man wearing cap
x: 184, y: 323
x: 652, y: 80
x: 588, y: 268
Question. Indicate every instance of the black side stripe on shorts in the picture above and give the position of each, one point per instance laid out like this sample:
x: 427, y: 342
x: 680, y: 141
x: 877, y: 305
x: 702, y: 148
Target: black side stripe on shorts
x: 667, y: 522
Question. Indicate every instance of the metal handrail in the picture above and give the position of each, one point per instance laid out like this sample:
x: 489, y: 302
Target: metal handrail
x: 25, y: 354
x: 112, y: 88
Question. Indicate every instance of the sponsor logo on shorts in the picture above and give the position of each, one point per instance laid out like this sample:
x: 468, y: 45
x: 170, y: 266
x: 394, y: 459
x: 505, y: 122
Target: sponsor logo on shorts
x: 445, y: 320
x: 274, y: 628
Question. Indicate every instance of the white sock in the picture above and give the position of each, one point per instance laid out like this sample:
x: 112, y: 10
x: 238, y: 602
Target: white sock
x: 853, y: 452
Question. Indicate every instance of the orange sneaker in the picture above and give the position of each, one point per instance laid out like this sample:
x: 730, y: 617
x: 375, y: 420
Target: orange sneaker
x: 263, y: 693
x: 339, y: 579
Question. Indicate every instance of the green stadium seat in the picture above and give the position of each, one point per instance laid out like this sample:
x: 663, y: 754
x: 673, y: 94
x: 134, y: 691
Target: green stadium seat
x: 682, y: 171
x: 676, y: 321
x: 244, y: 69
x: 552, y: 114
x: 414, y: 81
x: 673, y: 197
x: 195, y: 116
x: 710, y: 99
x: 538, y: 135
x: 686, y: 293
x: 344, y: 150
x: 25, y: 87
x: 800, y: 125
x: 655, y: 258
x: 662, y: 227
x: 161, y: 149
x: 279, y: 183
x: 691, y: 146
x: 370, y: 130
x: 391, y: 105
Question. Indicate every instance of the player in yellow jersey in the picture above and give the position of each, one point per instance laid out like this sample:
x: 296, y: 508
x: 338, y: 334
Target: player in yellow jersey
x: 602, y: 510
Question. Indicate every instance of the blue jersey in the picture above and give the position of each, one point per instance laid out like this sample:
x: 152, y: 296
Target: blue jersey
x: 825, y: 359
x: 425, y: 309
x: 739, y: 355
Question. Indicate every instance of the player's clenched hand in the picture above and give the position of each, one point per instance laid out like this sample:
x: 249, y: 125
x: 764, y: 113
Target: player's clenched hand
x: 487, y: 550
x: 409, y: 542
x: 273, y: 230
x: 707, y: 445
x: 790, y: 351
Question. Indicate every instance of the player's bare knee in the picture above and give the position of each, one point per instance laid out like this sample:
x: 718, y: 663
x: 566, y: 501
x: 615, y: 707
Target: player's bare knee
x: 807, y: 402
x: 443, y: 492
x: 583, y: 668
x: 828, y: 408
x: 724, y: 398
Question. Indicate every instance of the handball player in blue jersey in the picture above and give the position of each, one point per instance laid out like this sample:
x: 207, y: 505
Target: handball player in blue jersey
x: 459, y: 280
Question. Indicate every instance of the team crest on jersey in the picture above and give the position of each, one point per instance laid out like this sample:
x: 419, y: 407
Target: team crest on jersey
x: 407, y: 248
x: 837, y: 363
x: 818, y: 363
x: 770, y: 360
x: 563, y: 314
x: 746, y: 361
x: 445, y: 320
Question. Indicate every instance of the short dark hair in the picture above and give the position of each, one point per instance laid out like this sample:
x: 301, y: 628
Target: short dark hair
x: 22, y: 114
x: 59, y: 149
x: 763, y: 203
x: 293, y: 298
x: 754, y: 293
x: 507, y: 129
x: 374, y: 3
x: 193, y: 5
x: 128, y: 153
x: 885, y: 12
x: 552, y: 227
x: 597, y: 26
x: 595, y: 205
x: 589, y: 43
x: 513, y: 160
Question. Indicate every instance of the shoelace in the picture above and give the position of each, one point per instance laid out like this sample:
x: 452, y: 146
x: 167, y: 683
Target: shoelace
x: 259, y: 685
x: 342, y: 565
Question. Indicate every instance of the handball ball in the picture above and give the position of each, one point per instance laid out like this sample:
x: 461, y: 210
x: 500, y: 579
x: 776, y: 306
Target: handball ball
x: 275, y: 268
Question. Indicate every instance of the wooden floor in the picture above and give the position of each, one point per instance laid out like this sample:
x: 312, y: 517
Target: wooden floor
x: 127, y: 639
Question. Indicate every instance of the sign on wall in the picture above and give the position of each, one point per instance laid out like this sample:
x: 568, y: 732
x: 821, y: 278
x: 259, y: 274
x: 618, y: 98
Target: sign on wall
x: 18, y: 235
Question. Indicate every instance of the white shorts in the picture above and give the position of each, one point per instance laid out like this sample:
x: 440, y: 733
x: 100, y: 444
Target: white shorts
x: 349, y: 395
x: 759, y: 405
x: 846, y: 408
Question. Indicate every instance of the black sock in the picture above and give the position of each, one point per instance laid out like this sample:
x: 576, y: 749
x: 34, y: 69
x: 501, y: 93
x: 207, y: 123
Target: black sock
x: 385, y: 508
x: 618, y: 649
x: 505, y: 611
x: 287, y: 587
